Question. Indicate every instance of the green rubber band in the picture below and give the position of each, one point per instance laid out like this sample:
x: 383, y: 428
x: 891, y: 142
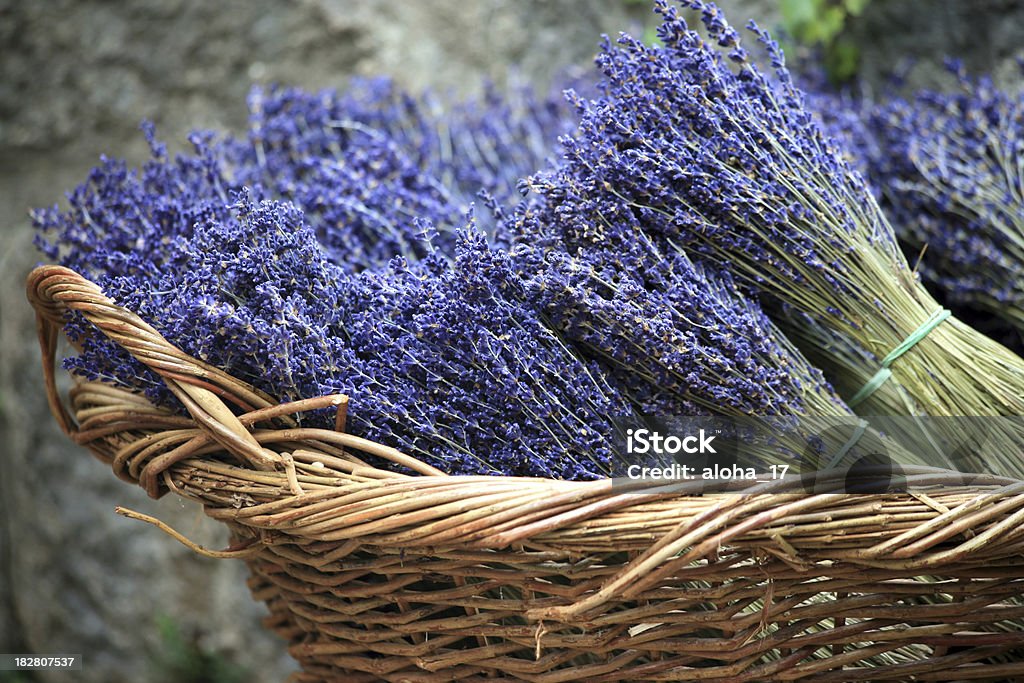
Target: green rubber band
x: 884, y: 373
x: 876, y: 381
x: 862, y: 427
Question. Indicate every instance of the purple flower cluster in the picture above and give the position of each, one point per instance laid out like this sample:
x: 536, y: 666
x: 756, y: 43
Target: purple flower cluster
x: 315, y: 294
x: 460, y: 369
x: 679, y: 337
x: 249, y: 292
x: 373, y: 169
x: 123, y: 222
x: 949, y: 165
x: 716, y: 157
x: 441, y: 359
x: 372, y: 166
x: 347, y: 162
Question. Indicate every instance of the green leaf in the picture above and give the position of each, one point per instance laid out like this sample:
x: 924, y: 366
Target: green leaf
x: 855, y: 7
x: 831, y: 23
x: 797, y: 13
x: 842, y: 60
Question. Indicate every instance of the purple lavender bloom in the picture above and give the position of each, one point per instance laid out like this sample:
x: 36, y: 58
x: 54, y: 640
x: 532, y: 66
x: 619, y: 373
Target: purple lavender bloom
x: 366, y: 164
x: 122, y: 221
x: 351, y: 163
x: 250, y: 293
x: 368, y: 167
x: 716, y: 157
x: 446, y: 361
x: 441, y: 359
x: 678, y: 337
x: 949, y: 166
x: 463, y: 371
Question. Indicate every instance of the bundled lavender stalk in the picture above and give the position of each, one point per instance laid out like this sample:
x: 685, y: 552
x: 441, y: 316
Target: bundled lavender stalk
x: 250, y: 288
x: 458, y: 363
x: 677, y: 336
x: 350, y: 162
x: 367, y: 166
x: 441, y: 360
x: 950, y: 169
x: 716, y: 158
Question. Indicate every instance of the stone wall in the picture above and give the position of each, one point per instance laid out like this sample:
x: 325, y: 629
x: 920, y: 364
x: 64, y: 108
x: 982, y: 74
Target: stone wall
x: 76, y: 76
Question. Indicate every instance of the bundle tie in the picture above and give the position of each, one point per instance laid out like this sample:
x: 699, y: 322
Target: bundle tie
x: 884, y: 373
x: 862, y: 426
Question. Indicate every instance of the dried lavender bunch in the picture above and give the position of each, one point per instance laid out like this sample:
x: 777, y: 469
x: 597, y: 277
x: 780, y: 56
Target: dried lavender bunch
x: 366, y: 166
x: 122, y: 221
x: 881, y: 138
x: 351, y: 163
x: 248, y: 291
x: 678, y: 337
x: 949, y: 166
x: 717, y: 158
x: 441, y: 359
x: 249, y: 288
x: 367, y: 163
x: 459, y: 361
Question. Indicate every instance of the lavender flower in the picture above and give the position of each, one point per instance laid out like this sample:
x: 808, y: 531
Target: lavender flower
x: 359, y: 183
x: 250, y: 293
x: 949, y: 167
x: 678, y: 336
x: 121, y: 222
x: 714, y: 157
x: 369, y: 167
x: 461, y: 370
x: 368, y: 164
x: 444, y: 361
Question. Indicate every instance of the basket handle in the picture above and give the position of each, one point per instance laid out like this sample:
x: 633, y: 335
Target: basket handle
x: 54, y: 291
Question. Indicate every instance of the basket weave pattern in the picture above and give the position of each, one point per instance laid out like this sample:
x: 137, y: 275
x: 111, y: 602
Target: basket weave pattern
x: 371, y: 574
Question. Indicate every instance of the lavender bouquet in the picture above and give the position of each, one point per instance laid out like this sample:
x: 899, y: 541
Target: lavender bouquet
x: 441, y: 358
x: 368, y: 167
x: 678, y: 334
x: 678, y: 337
x: 718, y: 159
x: 949, y: 167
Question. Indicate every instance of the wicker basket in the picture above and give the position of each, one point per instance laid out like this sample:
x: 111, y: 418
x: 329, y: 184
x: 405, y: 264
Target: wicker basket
x: 374, y: 575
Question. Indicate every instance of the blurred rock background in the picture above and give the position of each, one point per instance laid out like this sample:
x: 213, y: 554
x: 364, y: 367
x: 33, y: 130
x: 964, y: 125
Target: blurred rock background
x: 76, y: 77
